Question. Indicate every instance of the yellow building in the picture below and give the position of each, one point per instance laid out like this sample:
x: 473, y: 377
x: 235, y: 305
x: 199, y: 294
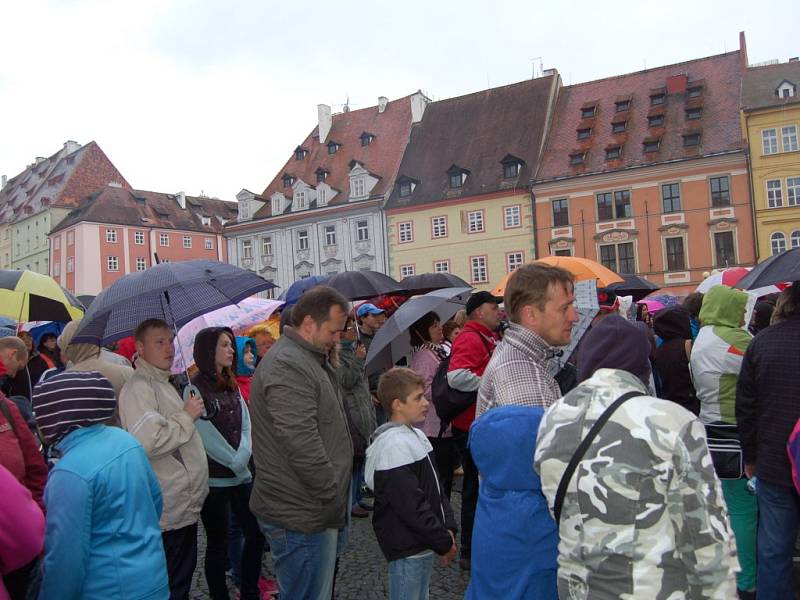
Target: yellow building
x: 461, y: 202
x: 771, y: 122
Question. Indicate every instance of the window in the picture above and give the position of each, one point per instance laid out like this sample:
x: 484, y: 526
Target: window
x: 618, y: 257
x: 618, y: 127
x: 205, y: 220
x: 209, y: 243
x: 322, y: 175
x: 300, y: 197
x: 441, y: 266
x: 778, y: 241
x: 796, y: 239
x: 692, y: 139
x: 302, y: 239
x: 793, y: 191
x: 70, y: 265
x: 693, y: 113
x: 163, y: 239
x: 695, y: 92
x: 322, y: 197
x: 247, y: 249
x: 671, y: 197
x: 514, y: 261
x: 407, y: 270
x: 439, y: 227
x: 605, y: 208
x: 330, y: 235
x: 456, y: 179
x: 774, y: 193
x: 577, y: 158
x: 270, y: 293
x: 70, y: 237
x: 588, y: 112
x: 655, y: 121
x: 652, y: 145
x: 362, y: 231
x: 614, y: 152
x: 56, y: 241
x: 56, y: 269
x: 480, y: 273
x: 113, y: 263
x: 277, y: 206
x: 720, y: 191
x: 560, y: 213
x: 366, y: 138
x: 244, y: 210
x: 583, y: 134
x: 405, y: 232
x: 357, y: 187
x: 299, y: 154
x: 510, y: 170
x: 723, y: 244
x: 512, y: 216
x: 287, y: 180
x: 405, y: 189
x: 562, y: 253
x: 676, y: 260
x: 111, y: 236
x: 789, y: 135
x: 622, y: 105
x: 769, y: 141
x: 475, y: 221
x: 620, y: 209
x: 333, y: 147
x: 141, y: 264
x: 138, y: 238
x: 658, y: 99
x: 266, y: 245
x: 622, y: 204
x: 187, y: 241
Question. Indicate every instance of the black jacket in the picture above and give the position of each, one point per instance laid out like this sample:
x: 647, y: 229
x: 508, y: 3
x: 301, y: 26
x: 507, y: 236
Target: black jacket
x: 767, y: 405
x: 411, y: 515
x: 673, y: 326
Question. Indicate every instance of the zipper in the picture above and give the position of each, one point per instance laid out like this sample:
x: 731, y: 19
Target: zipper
x: 438, y: 489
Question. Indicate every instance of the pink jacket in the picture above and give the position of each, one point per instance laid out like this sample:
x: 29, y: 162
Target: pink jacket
x: 425, y: 362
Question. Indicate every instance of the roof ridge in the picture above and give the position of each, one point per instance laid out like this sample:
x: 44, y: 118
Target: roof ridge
x: 499, y: 87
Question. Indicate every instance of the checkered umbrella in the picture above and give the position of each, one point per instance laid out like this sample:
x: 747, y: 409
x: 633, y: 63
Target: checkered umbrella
x: 175, y: 292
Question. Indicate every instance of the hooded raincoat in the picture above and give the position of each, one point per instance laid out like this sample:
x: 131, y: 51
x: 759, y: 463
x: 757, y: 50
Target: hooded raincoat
x: 671, y: 358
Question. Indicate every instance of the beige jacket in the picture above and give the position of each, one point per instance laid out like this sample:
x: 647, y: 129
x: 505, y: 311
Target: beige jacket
x: 86, y: 357
x: 151, y: 410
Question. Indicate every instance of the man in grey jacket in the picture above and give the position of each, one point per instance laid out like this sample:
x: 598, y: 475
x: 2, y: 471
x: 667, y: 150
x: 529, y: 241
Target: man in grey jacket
x: 302, y: 448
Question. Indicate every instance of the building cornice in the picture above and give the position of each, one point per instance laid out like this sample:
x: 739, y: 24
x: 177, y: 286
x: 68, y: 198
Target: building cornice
x: 446, y: 202
x: 314, y: 214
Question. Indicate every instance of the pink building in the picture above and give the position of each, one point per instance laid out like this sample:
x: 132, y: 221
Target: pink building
x: 116, y: 231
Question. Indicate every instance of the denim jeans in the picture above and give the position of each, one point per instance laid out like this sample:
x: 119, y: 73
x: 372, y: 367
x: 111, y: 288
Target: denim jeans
x: 778, y: 516
x: 469, y: 491
x: 357, y: 482
x: 304, y: 562
x: 410, y: 578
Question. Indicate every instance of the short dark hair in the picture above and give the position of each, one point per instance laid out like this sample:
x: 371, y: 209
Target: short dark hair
x: 693, y: 303
x: 317, y: 303
x: 419, y: 332
x: 146, y: 326
x: 398, y: 383
x: 530, y: 284
x: 788, y: 304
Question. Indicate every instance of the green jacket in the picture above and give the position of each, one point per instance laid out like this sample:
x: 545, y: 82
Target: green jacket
x: 301, y: 443
x: 357, y: 399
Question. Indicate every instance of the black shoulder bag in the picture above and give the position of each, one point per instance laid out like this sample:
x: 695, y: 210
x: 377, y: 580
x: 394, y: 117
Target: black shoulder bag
x: 584, y: 446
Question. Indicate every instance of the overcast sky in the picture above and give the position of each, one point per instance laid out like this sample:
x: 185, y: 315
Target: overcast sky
x: 214, y: 96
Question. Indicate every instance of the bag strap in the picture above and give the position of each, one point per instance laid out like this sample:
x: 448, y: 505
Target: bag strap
x: 583, y: 447
x: 7, y: 414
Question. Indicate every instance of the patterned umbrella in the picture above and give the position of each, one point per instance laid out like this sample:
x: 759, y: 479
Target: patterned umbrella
x: 728, y: 277
x: 175, y: 292
x: 28, y: 296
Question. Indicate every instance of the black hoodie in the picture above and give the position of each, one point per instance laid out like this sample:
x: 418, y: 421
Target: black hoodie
x: 673, y: 326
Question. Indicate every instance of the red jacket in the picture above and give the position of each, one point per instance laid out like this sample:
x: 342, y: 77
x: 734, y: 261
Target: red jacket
x: 19, y: 452
x: 245, y: 381
x: 469, y: 356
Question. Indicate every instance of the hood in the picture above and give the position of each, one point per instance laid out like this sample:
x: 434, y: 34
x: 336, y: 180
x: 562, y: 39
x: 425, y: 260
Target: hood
x: 674, y: 323
x: 723, y: 307
x: 614, y: 343
x: 502, y: 443
x: 394, y: 445
x: 241, y: 342
x: 205, y: 347
x: 76, y: 353
x: 762, y: 313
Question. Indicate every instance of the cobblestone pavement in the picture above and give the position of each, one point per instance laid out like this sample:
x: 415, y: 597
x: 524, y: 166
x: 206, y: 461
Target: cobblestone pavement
x: 362, y: 569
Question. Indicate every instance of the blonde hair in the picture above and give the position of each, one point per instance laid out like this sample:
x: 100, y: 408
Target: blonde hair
x: 460, y: 318
x: 259, y: 329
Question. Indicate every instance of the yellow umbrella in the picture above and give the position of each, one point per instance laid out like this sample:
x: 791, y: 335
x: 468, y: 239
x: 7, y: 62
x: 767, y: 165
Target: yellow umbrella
x: 28, y: 296
x: 582, y: 268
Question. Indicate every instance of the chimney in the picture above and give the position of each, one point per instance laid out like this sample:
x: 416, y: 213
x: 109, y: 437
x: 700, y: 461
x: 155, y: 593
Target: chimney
x: 418, y: 105
x: 676, y: 84
x: 3, y: 181
x: 71, y: 146
x: 382, y: 102
x: 742, y: 52
x: 325, y: 122
x: 181, y: 198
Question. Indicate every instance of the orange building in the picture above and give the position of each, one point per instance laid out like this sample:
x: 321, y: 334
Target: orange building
x: 647, y: 173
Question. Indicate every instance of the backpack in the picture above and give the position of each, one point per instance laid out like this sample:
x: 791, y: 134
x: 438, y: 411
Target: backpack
x: 793, y: 449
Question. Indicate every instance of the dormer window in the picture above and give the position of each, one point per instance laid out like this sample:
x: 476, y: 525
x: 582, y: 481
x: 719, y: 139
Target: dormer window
x: 366, y: 139
x: 587, y: 112
x: 691, y: 139
x: 613, y: 152
x: 277, y: 205
x: 622, y: 105
x: 695, y: 91
x: 693, y: 113
x: 333, y: 147
x: 300, y: 200
x: 322, y: 175
x: 584, y: 134
x: 456, y: 177
x: 288, y: 180
x: 405, y: 187
x: 658, y: 99
x: 618, y: 127
x: 511, y: 166
x: 300, y: 153
x: 655, y: 121
x: 205, y: 220
x: 577, y: 158
x: 357, y: 187
x: 786, y: 89
x: 652, y: 144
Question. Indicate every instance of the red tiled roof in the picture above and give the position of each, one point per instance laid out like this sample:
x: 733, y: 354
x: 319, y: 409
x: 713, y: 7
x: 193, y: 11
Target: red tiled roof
x: 381, y: 157
x: 721, y: 131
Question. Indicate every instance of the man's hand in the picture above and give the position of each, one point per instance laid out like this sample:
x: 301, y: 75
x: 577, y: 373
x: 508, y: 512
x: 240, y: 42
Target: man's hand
x: 361, y: 352
x: 451, y: 554
x: 750, y: 470
x: 194, y: 406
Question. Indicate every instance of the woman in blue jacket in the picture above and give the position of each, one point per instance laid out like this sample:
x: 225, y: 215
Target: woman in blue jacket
x: 103, y: 500
x: 515, y: 541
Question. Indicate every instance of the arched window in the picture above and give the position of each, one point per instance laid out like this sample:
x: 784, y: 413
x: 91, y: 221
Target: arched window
x: 778, y: 242
x: 796, y: 238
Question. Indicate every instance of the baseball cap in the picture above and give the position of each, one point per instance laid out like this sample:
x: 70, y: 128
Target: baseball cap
x: 368, y: 309
x: 478, y: 298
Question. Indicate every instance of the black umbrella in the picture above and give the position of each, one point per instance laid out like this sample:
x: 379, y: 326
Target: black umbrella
x: 776, y: 269
x: 175, y: 292
x: 427, y: 282
x: 361, y: 285
x: 633, y: 285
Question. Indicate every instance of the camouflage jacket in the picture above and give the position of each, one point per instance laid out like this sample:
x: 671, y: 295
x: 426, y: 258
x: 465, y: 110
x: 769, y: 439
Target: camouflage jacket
x: 643, y: 515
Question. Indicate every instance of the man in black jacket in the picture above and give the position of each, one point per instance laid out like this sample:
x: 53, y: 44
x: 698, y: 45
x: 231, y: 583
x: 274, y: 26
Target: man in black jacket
x: 767, y: 408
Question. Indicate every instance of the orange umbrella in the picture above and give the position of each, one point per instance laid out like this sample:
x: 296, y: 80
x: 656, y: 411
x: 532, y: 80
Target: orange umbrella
x: 582, y: 268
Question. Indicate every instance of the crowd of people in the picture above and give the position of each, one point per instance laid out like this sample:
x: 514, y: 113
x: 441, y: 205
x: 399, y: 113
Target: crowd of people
x: 653, y: 463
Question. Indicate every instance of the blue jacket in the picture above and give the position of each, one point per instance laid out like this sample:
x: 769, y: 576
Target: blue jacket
x: 514, y: 541
x: 103, y: 505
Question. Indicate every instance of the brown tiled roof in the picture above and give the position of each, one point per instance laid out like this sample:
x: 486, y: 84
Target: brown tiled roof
x: 381, y: 157
x: 475, y: 132
x: 62, y: 179
x: 139, y: 208
x: 760, y: 83
x: 721, y: 129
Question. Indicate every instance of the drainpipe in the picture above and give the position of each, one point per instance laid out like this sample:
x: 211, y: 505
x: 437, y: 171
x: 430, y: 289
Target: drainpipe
x: 752, y: 188
x: 647, y: 226
x: 583, y: 234
x: 535, y: 227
